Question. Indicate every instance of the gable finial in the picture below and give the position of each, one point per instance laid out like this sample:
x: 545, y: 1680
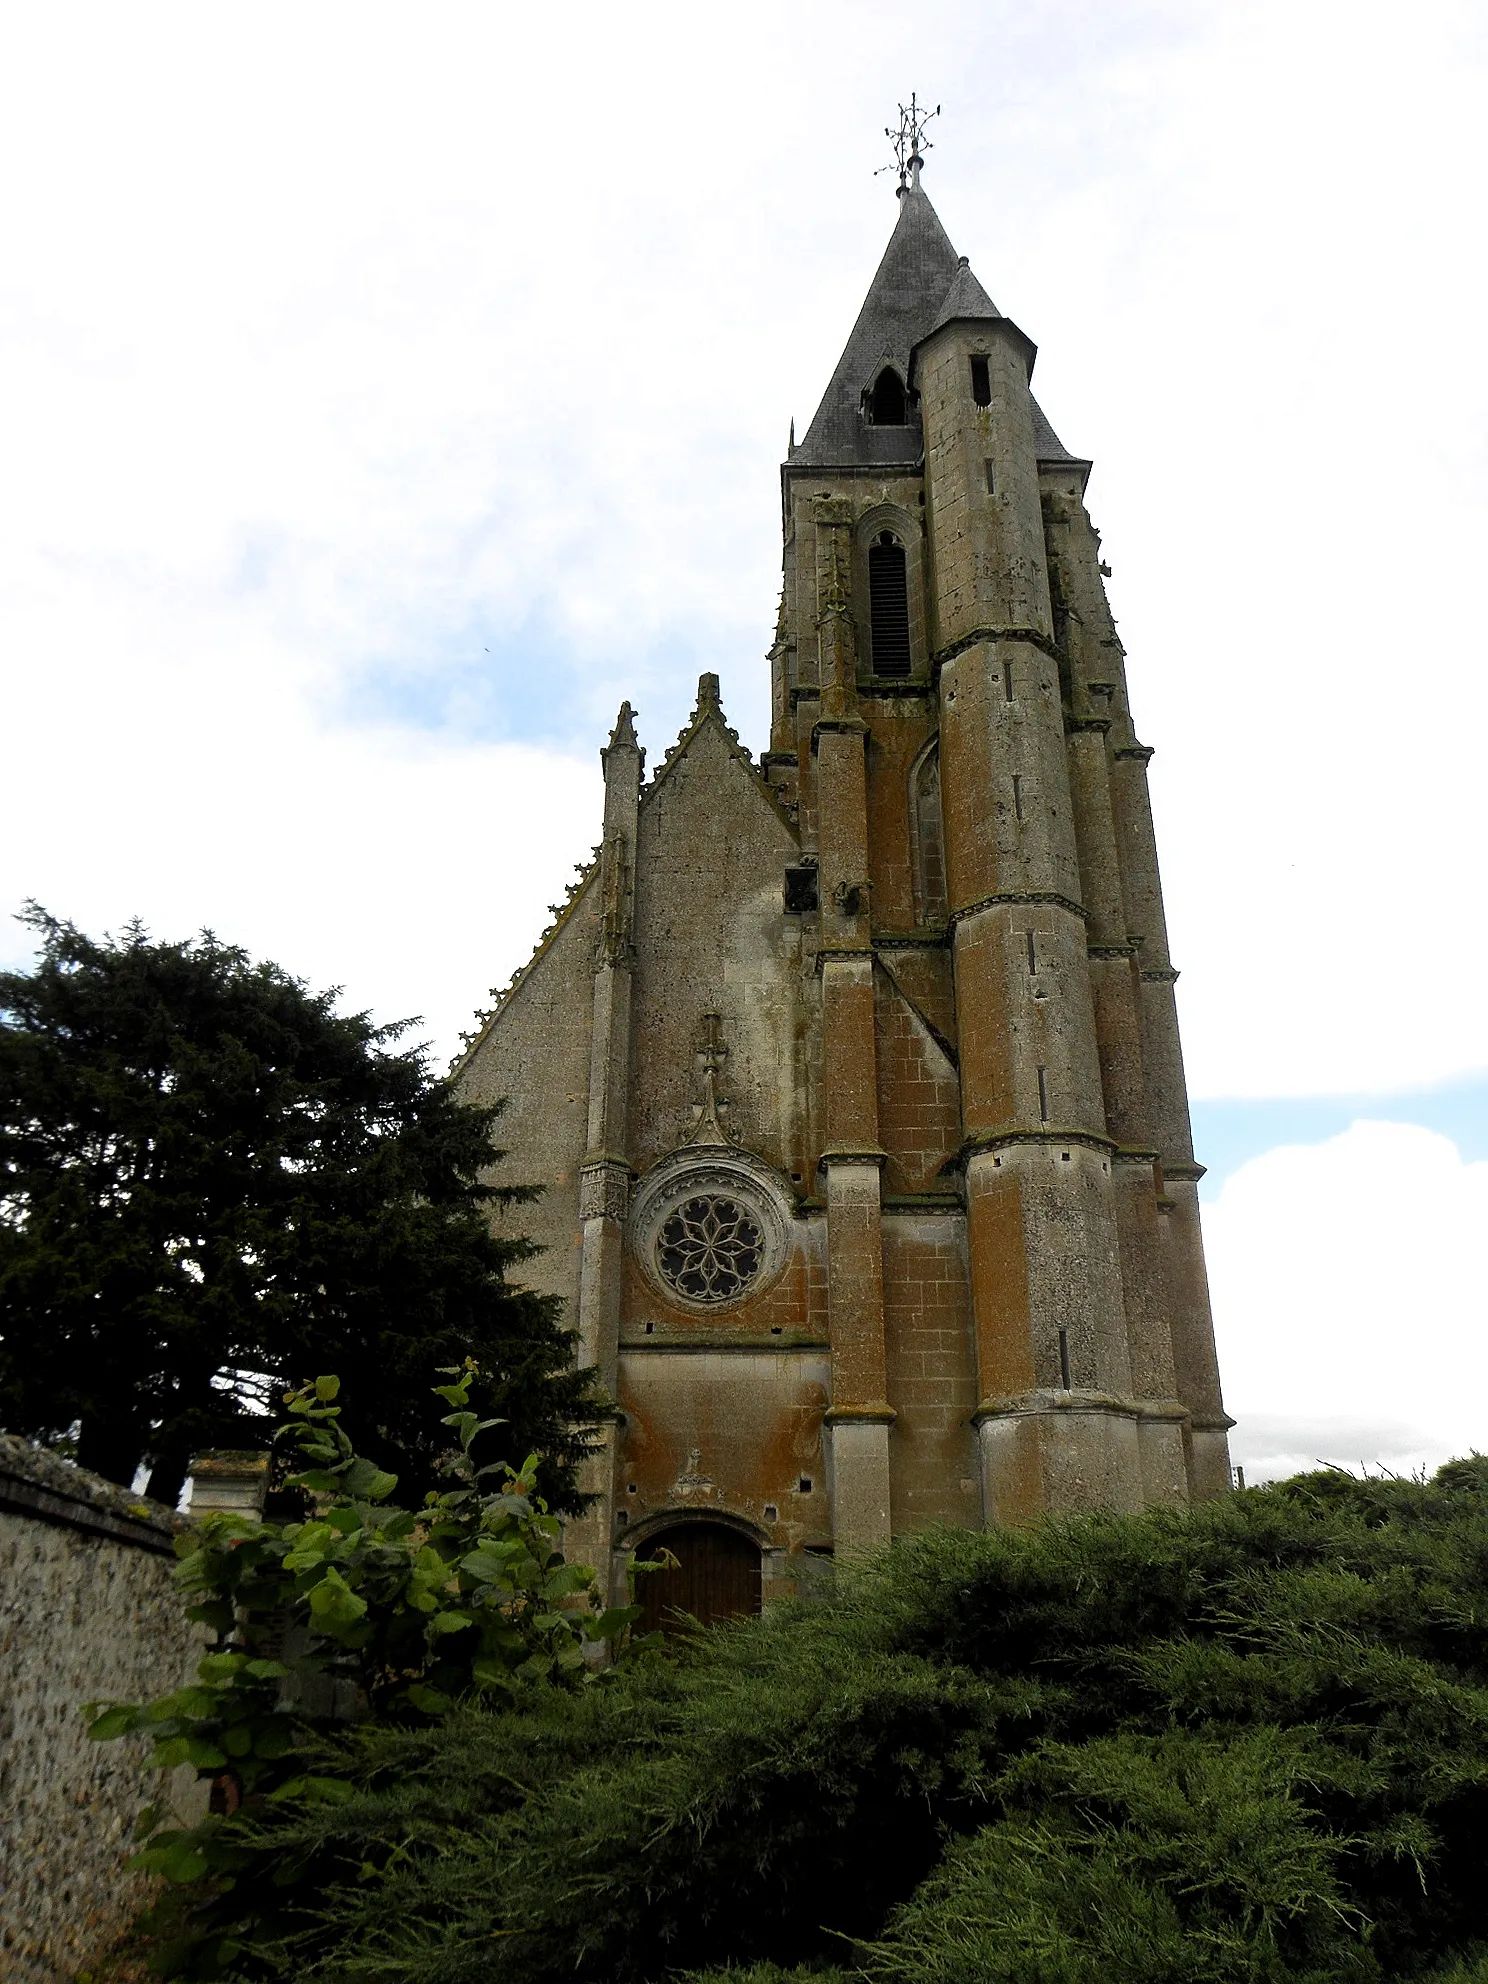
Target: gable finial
x: 909, y: 142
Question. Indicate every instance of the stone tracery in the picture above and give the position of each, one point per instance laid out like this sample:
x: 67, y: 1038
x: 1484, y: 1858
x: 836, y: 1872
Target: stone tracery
x: 709, y: 1249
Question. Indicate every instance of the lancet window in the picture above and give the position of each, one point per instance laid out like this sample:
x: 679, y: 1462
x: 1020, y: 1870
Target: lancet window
x: 888, y: 600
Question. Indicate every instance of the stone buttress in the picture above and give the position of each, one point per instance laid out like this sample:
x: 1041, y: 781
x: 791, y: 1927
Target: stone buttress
x: 853, y: 1076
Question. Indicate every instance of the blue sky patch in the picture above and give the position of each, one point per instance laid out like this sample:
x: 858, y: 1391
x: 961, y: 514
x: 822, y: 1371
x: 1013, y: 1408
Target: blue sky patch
x: 1227, y: 1133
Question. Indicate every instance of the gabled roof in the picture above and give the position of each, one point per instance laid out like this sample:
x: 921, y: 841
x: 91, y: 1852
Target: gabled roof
x: 920, y: 285
x: 709, y: 710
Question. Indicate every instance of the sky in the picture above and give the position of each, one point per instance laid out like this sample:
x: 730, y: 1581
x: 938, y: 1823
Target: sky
x: 387, y: 392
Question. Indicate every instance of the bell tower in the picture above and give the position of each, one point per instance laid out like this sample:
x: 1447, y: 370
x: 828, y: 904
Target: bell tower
x: 973, y: 761
x: 852, y: 1076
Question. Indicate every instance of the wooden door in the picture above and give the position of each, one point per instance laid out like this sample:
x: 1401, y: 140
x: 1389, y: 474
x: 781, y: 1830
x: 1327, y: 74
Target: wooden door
x: 717, y: 1576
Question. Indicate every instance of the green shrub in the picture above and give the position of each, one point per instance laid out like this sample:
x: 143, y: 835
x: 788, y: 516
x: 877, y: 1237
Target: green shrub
x: 1248, y: 1741
x: 377, y: 1612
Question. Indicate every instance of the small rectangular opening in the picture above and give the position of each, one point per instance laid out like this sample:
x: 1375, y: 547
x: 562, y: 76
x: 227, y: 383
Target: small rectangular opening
x: 992, y: 475
x: 1032, y: 955
x: 981, y: 382
x: 805, y: 1484
x: 1007, y: 678
x: 1064, y: 1361
x: 1043, y: 1080
x: 800, y: 890
x: 1018, y: 794
x: 650, y: 1329
x: 772, y: 1513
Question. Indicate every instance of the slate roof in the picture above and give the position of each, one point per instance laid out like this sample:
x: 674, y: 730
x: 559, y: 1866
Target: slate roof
x: 964, y: 298
x: 920, y: 285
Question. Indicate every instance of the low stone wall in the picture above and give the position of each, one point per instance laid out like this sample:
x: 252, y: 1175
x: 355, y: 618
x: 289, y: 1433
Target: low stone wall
x: 87, y: 1613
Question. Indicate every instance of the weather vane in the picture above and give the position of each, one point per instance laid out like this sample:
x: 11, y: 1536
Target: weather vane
x: 909, y: 141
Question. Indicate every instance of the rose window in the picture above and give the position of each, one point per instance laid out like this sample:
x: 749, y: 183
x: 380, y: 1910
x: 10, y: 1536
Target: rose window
x: 709, y: 1249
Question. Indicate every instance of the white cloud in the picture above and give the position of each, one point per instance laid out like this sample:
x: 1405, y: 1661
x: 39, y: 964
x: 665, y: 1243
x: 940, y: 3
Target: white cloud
x: 361, y: 373
x: 1350, y: 1302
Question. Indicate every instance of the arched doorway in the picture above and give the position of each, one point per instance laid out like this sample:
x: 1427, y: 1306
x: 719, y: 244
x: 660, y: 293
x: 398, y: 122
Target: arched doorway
x: 717, y: 1576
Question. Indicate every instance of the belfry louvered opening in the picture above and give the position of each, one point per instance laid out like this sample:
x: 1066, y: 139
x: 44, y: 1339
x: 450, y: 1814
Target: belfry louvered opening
x: 888, y: 598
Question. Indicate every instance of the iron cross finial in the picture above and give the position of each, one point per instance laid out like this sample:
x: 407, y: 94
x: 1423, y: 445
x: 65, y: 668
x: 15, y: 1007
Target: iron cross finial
x: 909, y: 141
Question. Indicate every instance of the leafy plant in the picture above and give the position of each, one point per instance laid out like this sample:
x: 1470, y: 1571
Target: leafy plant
x: 360, y: 1610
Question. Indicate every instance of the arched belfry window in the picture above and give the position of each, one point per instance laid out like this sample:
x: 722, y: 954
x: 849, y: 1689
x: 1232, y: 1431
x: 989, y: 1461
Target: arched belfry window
x: 888, y: 405
x: 888, y: 600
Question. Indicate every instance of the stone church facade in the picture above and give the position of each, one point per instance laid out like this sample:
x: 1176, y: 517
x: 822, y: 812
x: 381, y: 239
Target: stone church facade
x: 852, y: 1075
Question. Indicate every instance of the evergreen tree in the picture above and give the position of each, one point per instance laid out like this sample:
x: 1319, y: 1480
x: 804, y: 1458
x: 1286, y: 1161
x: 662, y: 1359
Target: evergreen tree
x: 213, y: 1186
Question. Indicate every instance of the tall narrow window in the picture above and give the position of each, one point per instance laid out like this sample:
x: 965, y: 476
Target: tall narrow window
x: 927, y: 837
x: 888, y: 600
x: 981, y: 382
x: 887, y: 404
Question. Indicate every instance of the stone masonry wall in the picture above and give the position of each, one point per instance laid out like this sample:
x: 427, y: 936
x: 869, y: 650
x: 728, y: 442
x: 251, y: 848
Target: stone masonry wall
x: 87, y: 1613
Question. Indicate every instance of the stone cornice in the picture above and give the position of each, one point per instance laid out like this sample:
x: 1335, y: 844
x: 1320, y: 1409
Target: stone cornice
x: 852, y: 1154
x: 880, y: 1413
x: 932, y: 939
x: 1027, y: 1404
x: 1006, y: 1139
x: 1184, y: 1168
x: 1014, y: 897
x: 1030, y: 636
x: 713, y: 1341
x: 41, y: 1485
x: 1143, y: 753
x: 1158, y: 974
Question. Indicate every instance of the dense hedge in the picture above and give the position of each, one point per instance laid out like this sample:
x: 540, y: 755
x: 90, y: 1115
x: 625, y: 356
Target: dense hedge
x: 1247, y: 1742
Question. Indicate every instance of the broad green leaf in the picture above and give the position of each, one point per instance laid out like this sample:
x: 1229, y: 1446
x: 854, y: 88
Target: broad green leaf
x: 113, y: 1722
x: 334, y: 1606
x: 449, y: 1622
x: 327, y: 1388
x: 221, y: 1667
x: 433, y: 1701
x: 181, y: 1862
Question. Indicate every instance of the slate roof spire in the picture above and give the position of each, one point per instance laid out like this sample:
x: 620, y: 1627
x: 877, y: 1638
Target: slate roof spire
x: 905, y: 293
x: 920, y: 285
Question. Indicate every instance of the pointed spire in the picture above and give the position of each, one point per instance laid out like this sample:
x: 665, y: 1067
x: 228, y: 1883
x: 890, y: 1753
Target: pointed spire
x: 707, y: 698
x: 921, y: 285
x: 964, y: 299
x: 622, y: 738
x: 916, y: 272
x: 624, y: 732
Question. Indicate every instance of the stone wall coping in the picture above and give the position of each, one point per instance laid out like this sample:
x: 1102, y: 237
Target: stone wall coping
x: 36, y: 1483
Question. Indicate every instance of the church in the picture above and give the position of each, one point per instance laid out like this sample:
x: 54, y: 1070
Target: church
x: 851, y: 1074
